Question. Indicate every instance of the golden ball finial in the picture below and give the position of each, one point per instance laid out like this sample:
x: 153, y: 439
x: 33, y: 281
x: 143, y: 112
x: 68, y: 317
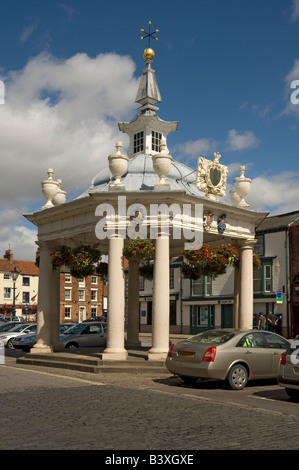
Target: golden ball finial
x: 148, y: 54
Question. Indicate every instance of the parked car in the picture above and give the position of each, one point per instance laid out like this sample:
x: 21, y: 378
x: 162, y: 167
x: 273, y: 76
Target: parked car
x: 8, y: 325
x: 8, y: 319
x: 84, y: 335
x: 27, y: 341
x: 232, y: 355
x: 288, y: 373
x: 24, y: 328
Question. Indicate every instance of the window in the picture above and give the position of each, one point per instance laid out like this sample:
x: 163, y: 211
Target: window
x: 252, y: 340
x: 68, y: 294
x: 275, y: 341
x: 67, y: 277
x: 262, y: 279
x: 268, y: 278
x: 25, y: 298
x: 141, y: 283
x: 93, y: 312
x: 7, y: 293
x: 94, y: 294
x: 6, y: 276
x: 202, y: 287
x: 171, y: 278
x: 26, y: 281
x: 67, y: 312
x: 138, y: 142
x: 81, y: 294
x: 94, y: 279
x: 197, y: 286
x: 156, y: 140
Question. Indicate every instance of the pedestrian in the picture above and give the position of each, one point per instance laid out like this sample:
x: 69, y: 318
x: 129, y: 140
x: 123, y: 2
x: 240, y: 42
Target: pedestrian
x: 262, y: 322
x: 272, y: 321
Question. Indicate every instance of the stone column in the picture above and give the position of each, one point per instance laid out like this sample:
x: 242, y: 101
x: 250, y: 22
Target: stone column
x: 133, y: 305
x: 160, y: 307
x: 44, y: 313
x: 116, y: 303
x: 57, y: 346
x: 236, y: 296
x: 246, y: 284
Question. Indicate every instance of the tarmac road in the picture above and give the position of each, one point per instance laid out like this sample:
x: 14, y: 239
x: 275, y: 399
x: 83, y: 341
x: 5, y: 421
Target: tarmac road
x: 46, y: 409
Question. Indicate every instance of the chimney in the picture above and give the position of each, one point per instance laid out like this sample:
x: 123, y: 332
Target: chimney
x: 8, y: 255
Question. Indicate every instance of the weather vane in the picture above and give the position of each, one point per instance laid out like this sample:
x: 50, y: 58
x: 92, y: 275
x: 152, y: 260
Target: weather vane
x: 149, y: 35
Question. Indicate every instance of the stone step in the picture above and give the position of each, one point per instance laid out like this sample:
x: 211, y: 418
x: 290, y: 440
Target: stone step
x: 93, y: 365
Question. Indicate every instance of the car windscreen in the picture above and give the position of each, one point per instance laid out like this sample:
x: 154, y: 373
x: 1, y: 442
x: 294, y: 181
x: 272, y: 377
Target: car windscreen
x: 212, y: 336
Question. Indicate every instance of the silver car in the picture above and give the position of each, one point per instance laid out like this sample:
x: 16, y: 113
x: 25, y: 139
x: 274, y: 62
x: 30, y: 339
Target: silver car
x: 26, y: 342
x: 8, y: 337
x: 288, y: 373
x: 85, y: 335
x: 232, y: 355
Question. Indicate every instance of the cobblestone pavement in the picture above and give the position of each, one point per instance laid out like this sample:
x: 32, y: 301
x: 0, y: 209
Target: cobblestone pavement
x: 41, y: 410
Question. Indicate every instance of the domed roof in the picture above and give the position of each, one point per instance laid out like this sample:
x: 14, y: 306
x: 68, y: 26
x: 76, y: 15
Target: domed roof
x: 141, y: 176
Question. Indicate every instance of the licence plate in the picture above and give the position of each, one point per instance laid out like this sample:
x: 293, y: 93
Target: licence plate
x: 186, y: 353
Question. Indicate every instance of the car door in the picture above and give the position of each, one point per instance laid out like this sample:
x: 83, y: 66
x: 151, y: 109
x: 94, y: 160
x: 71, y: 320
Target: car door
x: 276, y: 345
x: 92, y: 336
x: 253, y: 350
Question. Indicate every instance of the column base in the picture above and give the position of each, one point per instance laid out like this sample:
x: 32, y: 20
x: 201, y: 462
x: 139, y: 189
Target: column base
x: 41, y: 349
x: 157, y: 354
x: 115, y: 355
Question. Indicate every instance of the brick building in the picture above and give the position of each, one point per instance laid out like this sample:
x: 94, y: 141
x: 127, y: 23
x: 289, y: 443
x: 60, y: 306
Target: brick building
x: 24, y: 291
x: 82, y: 299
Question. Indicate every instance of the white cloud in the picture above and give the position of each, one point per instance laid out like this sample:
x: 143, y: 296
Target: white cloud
x: 26, y: 33
x: 278, y: 193
x: 15, y: 236
x: 295, y: 10
x: 61, y: 114
x: 196, y: 148
x: 236, y: 142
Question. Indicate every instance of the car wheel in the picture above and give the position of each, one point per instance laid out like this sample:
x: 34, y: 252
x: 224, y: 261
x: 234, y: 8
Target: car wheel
x: 188, y: 380
x: 72, y: 346
x: 9, y: 343
x: 237, y: 377
x: 292, y: 393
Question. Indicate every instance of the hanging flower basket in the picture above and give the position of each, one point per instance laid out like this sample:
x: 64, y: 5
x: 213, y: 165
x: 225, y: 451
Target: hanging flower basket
x: 61, y: 256
x: 230, y: 253
x: 257, y: 262
x: 147, y: 271
x: 102, y: 271
x: 139, y: 248
x: 203, y: 262
x: 80, y: 260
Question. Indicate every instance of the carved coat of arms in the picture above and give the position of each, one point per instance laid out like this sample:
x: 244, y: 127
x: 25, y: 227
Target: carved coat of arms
x: 211, y: 177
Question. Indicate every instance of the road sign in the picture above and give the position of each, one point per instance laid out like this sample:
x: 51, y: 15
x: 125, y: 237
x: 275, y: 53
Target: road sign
x: 279, y: 297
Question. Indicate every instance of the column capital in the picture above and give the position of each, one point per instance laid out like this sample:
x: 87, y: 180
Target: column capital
x: 246, y: 244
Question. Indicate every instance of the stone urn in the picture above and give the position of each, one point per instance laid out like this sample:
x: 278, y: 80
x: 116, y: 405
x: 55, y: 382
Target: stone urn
x: 118, y: 165
x: 162, y: 163
x: 234, y: 197
x: 242, y: 187
x: 60, y: 195
x: 49, y: 188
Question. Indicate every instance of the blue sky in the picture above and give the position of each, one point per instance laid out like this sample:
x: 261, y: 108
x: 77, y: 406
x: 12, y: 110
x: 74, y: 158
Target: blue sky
x: 71, y: 71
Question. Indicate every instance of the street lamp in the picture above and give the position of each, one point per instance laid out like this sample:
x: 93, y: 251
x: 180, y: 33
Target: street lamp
x: 14, y: 275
